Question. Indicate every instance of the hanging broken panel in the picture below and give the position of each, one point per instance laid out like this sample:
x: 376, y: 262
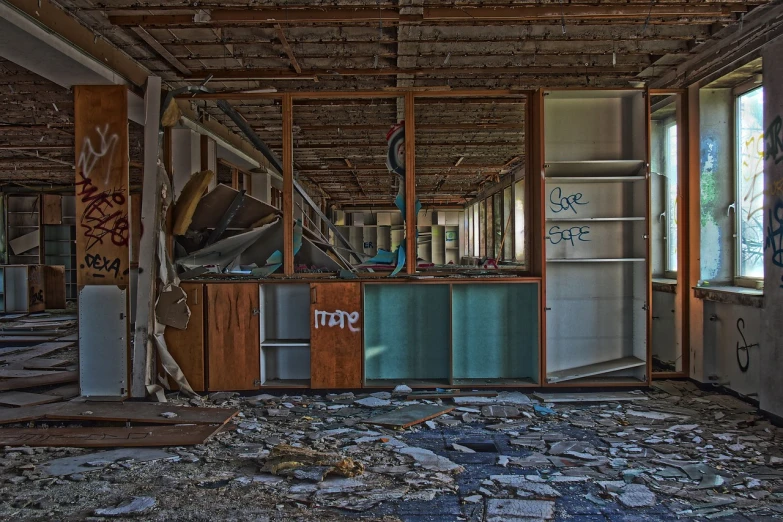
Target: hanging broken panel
x: 103, y: 341
x: 406, y: 333
x: 495, y: 332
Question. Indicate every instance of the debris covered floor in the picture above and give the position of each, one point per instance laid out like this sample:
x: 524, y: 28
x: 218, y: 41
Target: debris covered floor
x: 673, y: 452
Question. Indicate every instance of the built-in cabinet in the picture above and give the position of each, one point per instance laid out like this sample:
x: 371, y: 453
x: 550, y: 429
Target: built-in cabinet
x: 340, y: 335
x: 596, y: 237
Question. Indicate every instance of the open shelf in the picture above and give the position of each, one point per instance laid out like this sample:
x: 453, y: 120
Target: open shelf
x: 594, y: 169
x: 284, y: 334
x: 596, y: 179
x: 591, y: 370
x: 627, y: 218
x: 599, y: 260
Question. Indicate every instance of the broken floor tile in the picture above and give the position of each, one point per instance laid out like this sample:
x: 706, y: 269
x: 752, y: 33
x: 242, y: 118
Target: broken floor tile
x: 133, y: 507
x: 503, y: 510
x: 636, y: 495
x: 372, y: 402
x: 499, y: 411
x: 429, y: 460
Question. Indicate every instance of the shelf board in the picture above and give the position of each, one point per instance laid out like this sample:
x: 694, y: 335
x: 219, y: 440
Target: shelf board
x: 594, y: 179
x: 627, y: 218
x: 599, y: 260
x: 591, y: 370
x: 525, y: 381
x: 413, y: 383
x: 286, y: 342
x: 607, y: 168
x: 286, y: 383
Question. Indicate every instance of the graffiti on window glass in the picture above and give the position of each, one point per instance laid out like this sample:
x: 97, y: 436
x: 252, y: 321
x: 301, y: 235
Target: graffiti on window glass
x: 751, y: 183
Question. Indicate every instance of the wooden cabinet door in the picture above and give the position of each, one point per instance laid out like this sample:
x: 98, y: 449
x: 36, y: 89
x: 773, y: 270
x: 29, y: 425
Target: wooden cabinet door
x: 187, y: 346
x: 335, y: 335
x: 233, y: 344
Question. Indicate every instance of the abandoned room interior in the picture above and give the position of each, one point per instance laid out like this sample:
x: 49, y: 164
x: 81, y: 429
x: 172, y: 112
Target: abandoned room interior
x: 394, y: 260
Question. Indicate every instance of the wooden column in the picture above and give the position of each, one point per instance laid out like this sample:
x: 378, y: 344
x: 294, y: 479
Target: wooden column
x: 689, y: 222
x: 693, y: 308
x: 204, y: 152
x: 235, y: 179
x: 288, y: 186
x: 102, y: 231
x: 535, y: 250
x: 410, y: 185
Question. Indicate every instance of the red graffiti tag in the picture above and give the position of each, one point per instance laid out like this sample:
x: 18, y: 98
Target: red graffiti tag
x: 103, y: 214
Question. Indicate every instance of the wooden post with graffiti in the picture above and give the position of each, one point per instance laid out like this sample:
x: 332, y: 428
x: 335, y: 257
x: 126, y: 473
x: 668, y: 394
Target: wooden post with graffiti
x: 102, y: 199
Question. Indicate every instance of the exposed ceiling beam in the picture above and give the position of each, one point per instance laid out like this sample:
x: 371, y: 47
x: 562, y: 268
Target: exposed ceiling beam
x: 430, y: 15
x: 288, y: 50
x: 162, y: 51
x: 282, y: 74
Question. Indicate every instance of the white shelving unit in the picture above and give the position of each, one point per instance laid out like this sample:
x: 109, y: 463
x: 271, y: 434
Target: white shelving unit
x: 438, y: 239
x: 596, y: 236
x: 285, y: 334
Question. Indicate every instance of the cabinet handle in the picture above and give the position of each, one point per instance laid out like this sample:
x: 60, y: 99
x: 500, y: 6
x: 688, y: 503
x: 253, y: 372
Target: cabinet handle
x: 195, y: 296
x: 313, y: 294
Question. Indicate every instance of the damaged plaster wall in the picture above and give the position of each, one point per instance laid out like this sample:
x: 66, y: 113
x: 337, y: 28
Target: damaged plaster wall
x: 724, y: 339
x: 770, y: 392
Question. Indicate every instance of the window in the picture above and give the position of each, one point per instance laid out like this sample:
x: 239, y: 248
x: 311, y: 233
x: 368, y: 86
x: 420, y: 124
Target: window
x: 671, y: 197
x: 750, y: 184
x: 519, y: 220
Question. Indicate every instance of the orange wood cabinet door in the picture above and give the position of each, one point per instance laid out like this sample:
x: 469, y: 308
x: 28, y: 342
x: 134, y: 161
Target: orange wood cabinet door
x: 187, y: 346
x: 233, y: 343
x: 335, y: 335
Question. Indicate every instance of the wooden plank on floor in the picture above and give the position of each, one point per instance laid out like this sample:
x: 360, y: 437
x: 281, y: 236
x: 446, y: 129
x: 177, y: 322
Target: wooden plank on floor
x: 34, y: 382
x: 590, y: 397
x: 108, y: 437
x: 11, y: 317
x: 69, y: 391
x: 20, y: 398
x: 22, y: 374
x: 45, y: 364
x: 409, y: 415
x: 38, y: 350
x: 70, y: 337
x: 4, y: 339
x: 139, y: 412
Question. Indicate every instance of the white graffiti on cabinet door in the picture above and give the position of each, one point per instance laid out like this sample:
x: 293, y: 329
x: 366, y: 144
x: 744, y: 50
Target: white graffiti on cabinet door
x: 337, y: 318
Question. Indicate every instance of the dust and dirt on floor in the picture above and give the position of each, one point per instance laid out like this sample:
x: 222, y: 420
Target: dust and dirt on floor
x: 673, y: 452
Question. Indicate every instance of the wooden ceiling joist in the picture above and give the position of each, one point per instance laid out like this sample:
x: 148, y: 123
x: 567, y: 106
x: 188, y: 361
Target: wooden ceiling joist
x: 430, y: 15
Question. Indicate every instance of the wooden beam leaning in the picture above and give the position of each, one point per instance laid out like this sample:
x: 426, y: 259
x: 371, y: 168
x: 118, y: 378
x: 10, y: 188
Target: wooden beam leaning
x: 288, y: 185
x: 150, y: 209
x: 411, y: 249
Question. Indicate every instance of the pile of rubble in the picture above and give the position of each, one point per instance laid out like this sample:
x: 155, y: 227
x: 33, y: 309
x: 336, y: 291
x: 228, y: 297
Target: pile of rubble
x: 672, y: 452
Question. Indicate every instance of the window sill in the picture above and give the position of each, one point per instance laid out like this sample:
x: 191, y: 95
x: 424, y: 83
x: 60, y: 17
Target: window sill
x: 737, y: 295
x: 663, y: 284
